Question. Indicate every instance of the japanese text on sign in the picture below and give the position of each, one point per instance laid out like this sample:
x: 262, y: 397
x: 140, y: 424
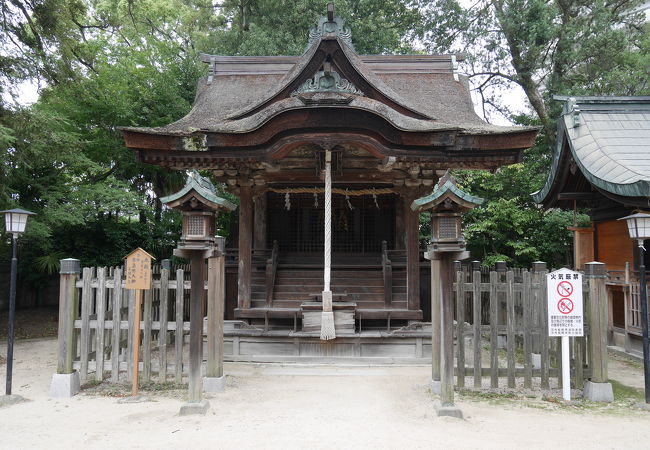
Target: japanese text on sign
x: 138, y: 270
x: 564, y: 293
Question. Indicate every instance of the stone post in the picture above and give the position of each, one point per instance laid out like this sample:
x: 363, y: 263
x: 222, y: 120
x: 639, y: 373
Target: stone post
x: 215, y: 381
x: 65, y: 382
x: 597, y: 388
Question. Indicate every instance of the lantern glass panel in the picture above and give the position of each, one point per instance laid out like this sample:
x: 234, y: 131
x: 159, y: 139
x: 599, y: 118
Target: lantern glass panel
x: 643, y: 227
x: 195, y: 226
x: 447, y: 228
x: 15, y: 222
x: 631, y: 227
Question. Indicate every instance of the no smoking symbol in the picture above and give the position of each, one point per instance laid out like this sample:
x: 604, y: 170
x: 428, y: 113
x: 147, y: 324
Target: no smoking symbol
x: 565, y: 289
x: 565, y: 305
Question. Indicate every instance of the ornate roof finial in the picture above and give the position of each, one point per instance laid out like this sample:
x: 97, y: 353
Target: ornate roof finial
x: 330, y: 25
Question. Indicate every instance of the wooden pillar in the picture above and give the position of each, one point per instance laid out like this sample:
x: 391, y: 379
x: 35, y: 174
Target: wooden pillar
x: 245, y: 245
x: 216, y: 290
x: 400, y: 235
x: 595, y: 275
x: 197, y: 299
x: 259, y: 232
x: 68, y: 294
x: 447, y: 331
x: 412, y: 233
x: 436, y: 304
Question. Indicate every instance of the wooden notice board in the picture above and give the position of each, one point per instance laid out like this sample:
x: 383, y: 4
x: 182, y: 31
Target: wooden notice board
x: 138, y: 277
x: 138, y: 269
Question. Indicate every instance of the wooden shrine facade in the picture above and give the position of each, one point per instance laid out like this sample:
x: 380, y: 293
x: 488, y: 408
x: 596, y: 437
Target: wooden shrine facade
x: 395, y: 124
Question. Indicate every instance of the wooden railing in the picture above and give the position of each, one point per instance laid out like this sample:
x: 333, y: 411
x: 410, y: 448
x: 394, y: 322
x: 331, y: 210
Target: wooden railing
x: 517, y: 322
x: 271, y: 269
x: 397, y: 257
x: 628, y: 281
x: 387, y: 270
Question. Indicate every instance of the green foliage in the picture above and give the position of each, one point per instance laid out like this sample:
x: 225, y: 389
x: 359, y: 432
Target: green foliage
x: 544, y: 48
x: 109, y: 63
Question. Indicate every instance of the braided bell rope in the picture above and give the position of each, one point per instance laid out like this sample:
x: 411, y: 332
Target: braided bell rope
x: 319, y: 190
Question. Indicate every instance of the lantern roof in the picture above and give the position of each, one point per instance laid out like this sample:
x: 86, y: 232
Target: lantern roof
x: 446, y: 191
x: 17, y: 211
x: 202, y: 190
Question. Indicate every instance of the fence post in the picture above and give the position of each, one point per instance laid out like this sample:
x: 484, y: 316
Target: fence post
x: 436, y: 302
x: 215, y: 381
x: 597, y: 389
x: 65, y: 382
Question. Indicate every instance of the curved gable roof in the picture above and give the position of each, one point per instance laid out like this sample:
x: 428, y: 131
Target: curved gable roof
x: 609, y: 140
x: 413, y: 93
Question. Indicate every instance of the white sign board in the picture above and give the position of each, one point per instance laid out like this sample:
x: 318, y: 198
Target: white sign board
x: 564, y: 295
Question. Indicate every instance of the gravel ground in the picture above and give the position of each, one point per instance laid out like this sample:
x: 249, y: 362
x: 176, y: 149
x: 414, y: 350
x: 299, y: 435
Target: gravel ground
x: 309, y: 406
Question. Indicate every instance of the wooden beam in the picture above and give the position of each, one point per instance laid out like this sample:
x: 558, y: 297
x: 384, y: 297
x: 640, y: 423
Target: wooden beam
x: 245, y: 245
x: 197, y: 300
x: 216, y: 298
x: 447, y: 330
x: 586, y: 196
x: 259, y: 235
x: 412, y: 233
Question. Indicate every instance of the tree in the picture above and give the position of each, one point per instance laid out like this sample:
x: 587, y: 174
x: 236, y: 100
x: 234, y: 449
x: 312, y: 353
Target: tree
x: 545, y: 48
x: 114, y: 62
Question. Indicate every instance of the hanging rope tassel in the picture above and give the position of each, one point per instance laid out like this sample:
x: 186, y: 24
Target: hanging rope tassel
x: 287, y: 202
x: 327, y: 330
x: 347, y: 199
x: 374, y: 197
x: 315, y: 200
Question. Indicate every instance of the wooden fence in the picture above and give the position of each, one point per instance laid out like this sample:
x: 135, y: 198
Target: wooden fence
x: 501, y: 329
x: 501, y: 322
x: 103, y: 323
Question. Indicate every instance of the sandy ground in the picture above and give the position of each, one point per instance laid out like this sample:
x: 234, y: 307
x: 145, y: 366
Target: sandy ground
x: 289, y: 406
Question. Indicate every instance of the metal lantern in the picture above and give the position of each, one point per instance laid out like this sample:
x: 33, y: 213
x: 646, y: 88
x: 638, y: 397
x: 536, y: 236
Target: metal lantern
x: 446, y: 204
x: 199, y: 204
x: 638, y: 225
x: 16, y: 220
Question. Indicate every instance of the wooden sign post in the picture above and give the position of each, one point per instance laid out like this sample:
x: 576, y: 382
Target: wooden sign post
x: 138, y: 277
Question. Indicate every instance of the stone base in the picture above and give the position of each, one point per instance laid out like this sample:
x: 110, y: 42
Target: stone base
x: 194, y: 408
x: 598, y: 392
x: 65, y: 385
x: 436, y: 386
x: 448, y: 410
x: 537, y: 360
x: 7, y: 400
x: 214, y: 384
x: 642, y: 406
x: 135, y: 399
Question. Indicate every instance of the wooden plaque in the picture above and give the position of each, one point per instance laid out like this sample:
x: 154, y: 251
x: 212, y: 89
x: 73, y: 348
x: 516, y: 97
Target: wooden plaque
x: 138, y: 269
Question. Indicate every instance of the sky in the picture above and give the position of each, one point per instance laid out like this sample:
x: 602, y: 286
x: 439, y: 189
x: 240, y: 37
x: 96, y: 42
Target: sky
x: 515, y: 98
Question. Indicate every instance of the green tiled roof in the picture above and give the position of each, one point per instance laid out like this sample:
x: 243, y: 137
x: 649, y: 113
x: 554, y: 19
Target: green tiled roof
x: 609, y: 139
x: 440, y: 192
x: 203, y: 187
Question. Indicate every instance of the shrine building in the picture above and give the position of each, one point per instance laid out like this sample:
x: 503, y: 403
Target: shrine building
x: 393, y: 123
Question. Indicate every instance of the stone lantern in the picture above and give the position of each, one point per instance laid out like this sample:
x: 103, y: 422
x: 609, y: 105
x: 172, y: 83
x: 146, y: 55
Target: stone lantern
x: 447, y: 202
x: 199, y: 204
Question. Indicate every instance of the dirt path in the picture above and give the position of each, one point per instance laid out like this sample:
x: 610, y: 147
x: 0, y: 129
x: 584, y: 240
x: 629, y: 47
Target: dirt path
x: 276, y: 406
